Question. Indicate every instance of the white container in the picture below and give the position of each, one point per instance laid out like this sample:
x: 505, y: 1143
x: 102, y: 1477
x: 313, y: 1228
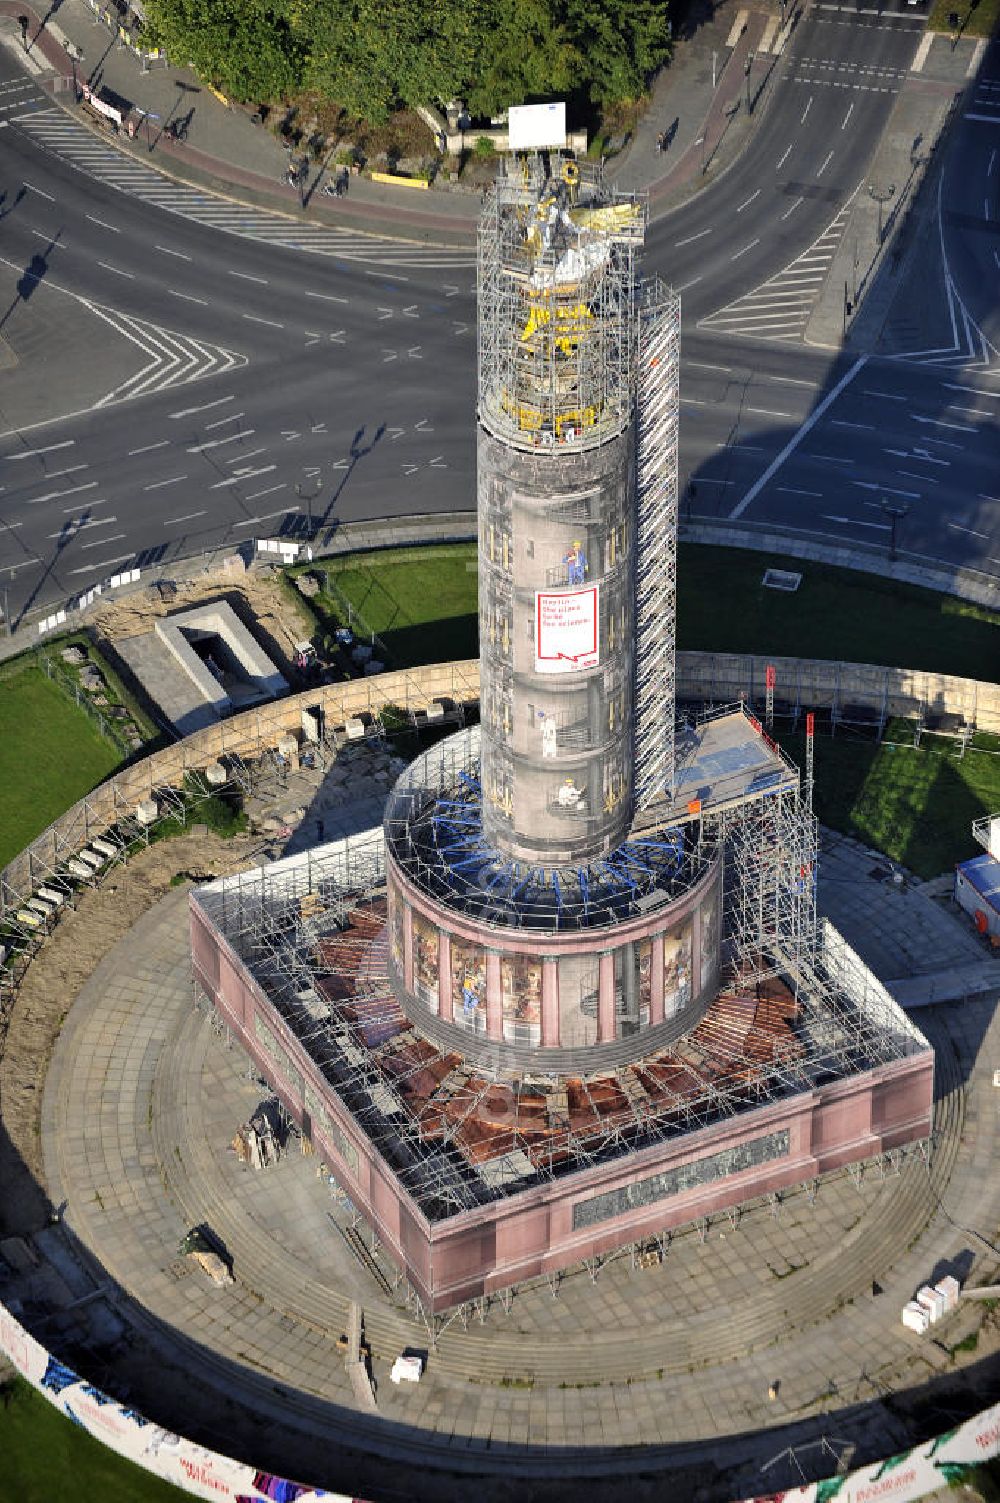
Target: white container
x: 148, y: 811
x: 932, y: 1301
x: 915, y: 1317
x: 407, y: 1370
x: 950, y: 1288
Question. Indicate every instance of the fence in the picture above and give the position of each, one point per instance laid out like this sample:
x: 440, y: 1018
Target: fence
x: 903, y: 1478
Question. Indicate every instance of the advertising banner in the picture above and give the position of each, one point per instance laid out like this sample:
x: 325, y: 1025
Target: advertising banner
x: 566, y: 630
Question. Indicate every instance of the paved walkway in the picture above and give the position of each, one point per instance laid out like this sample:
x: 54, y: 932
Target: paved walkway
x: 143, y: 1098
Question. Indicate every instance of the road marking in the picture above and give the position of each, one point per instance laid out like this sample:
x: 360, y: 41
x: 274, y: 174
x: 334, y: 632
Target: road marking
x: 826, y: 164
x: 889, y: 396
x: 103, y: 223
x: 685, y: 285
x: 147, y: 448
x: 768, y: 37
x: 850, y: 111
x: 48, y: 449
x: 331, y: 297
x: 969, y: 390
x: 766, y: 412
x: 158, y: 485
x: 912, y: 475
x: 221, y: 422
x: 105, y: 562
x: 256, y: 495
x: 798, y: 436
x: 70, y: 470
x: 72, y: 490
x: 991, y: 164
x: 917, y: 66
x: 205, y: 407
x: 783, y: 159
x: 746, y: 248
x: 187, y: 296
x: 806, y: 111
x: 703, y: 365
x: 987, y: 119
x: 238, y: 479
x: 957, y: 527
x: 188, y: 517
x: 748, y: 201
x: 789, y: 212
x: 691, y: 238
x: 843, y: 423
x: 831, y: 458
x: 940, y: 423
x: 251, y: 453
x: 82, y: 527
x: 253, y: 319
x: 117, y: 270
x: 736, y: 30
x: 103, y: 543
x: 168, y: 252
x: 245, y: 276
x: 40, y: 191
x: 217, y: 443
x: 855, y: 522
x: 790, y: 490
x: 887, y: 490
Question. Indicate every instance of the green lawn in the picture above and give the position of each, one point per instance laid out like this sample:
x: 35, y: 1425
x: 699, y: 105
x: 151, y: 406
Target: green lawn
x: 914, y: 804
x: 51, y: 753
x: 45, y: 1457
x: 976, y: 18
x: 423, y: 603
x: 835, y: 613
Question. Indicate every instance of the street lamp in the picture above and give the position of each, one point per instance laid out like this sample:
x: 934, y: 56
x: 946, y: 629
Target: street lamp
x: 746, y: 70
x: 881, y: 197
x: 307, y: 491
x: 895, y: 511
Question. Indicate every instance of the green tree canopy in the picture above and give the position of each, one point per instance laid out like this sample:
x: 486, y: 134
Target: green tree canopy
x: 372, y: 56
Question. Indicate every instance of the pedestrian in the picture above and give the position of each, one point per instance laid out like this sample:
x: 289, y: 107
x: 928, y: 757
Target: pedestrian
x: 661, y: 142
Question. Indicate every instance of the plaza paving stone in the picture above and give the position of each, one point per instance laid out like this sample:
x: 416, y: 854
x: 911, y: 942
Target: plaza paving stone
x: 143, y: 1097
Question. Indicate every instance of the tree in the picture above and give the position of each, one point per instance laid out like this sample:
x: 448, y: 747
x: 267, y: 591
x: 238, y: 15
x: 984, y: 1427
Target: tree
x: 246, y: 47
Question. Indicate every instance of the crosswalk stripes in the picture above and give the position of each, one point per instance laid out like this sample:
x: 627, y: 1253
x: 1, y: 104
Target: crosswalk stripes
x: 61, y: 135
x: 985, y: 102
x: 173, y: 359
x: 780, y: 307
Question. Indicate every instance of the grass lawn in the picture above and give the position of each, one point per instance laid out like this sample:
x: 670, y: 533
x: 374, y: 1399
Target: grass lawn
x: 423, y: 604
x: 835, y: 613
x: 50, y: 755
x: 914, y: 804
x: 976, y: 18
x: 46, y: 1457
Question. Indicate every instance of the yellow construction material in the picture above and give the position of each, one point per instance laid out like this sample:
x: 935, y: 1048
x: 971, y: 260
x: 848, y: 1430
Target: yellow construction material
x: 400, y: 182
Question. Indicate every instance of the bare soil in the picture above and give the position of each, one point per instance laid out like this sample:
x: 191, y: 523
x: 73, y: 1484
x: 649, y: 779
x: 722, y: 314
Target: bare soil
x: 258, y: 596
x: 85, y: 934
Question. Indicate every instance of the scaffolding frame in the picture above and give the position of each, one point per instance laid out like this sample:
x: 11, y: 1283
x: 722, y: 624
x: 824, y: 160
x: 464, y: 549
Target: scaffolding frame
x: 557, y: 289
x: 273, y: 918
x: 657, y: 421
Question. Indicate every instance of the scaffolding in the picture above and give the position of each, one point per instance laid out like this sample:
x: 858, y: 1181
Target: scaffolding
x: 557, y: 289
x: 311, y: 930
x: 658, y: 412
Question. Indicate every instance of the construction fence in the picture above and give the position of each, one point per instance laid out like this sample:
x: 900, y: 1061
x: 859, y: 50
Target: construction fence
x: 926, y: 1468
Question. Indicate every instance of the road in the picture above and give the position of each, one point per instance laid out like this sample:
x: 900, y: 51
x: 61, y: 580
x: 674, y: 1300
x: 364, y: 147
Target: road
x: 172, y: 385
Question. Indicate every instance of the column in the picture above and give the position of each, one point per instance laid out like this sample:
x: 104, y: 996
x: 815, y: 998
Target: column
x: 408, y: 947
x: 550, y: 1001
x: 494, y: 996
x: 445, y: 993
x: 656, y: 981
x: 606, y: 998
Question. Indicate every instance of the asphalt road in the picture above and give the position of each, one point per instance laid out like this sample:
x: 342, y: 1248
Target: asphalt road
x: 341, y: 386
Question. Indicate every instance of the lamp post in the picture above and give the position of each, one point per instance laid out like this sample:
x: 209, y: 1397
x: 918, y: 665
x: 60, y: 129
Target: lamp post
x: 881, y: 197
x: 307, y: 491
x: 895, y: 511
x: 746, y: 71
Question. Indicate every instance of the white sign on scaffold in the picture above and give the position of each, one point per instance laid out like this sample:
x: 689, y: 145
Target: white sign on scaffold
x: 566, y: 630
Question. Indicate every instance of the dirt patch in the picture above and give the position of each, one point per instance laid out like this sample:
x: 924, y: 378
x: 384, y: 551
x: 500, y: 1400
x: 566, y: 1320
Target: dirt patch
x: 102, y: 916
x: 259, y: 597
